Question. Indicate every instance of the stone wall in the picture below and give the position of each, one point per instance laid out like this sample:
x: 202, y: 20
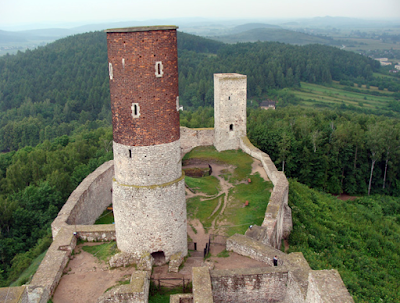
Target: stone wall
x: 303, y: 285
x: 137, y: 291
x: 96, y: 233
x: 327, y: 286
x: 194, y: 137
x: 147, y: 165
x: 51, y: 268
x: 249, y: 285
x: 13, y: 295
x: 88, y: 200
x: 202, y: 290
x: 181, y: 298
x: 277, y: 218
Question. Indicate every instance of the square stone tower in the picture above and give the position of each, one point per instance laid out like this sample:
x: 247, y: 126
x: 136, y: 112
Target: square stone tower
x: 230, y: 97
x: 148, y: 187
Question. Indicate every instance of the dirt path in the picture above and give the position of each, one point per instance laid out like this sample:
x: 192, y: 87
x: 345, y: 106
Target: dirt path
x: 257, y: 167
x: 346, y: 197
x: 86, y: 278
x: 201, y: 237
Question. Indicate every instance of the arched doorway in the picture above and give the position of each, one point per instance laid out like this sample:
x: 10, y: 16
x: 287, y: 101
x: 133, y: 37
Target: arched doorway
x: 159, y: 258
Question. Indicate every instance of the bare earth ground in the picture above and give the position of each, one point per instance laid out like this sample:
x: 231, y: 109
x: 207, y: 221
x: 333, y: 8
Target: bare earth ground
x: 346, y: 197
x: 86, y: 278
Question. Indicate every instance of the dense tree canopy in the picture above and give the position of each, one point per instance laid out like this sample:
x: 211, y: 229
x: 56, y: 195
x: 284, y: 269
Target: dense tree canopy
x: 331, y: 150
x: 35, y: 183
x: 50, y: 91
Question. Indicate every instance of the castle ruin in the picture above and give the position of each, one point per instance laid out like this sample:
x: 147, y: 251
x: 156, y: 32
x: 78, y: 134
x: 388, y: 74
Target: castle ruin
x: 146, y: 186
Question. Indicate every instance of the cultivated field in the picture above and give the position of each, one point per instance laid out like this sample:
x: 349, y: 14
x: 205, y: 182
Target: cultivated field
x: 337, y: 95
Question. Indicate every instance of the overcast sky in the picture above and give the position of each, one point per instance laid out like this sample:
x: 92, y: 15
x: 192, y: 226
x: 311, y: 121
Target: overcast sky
x: 17, y: 12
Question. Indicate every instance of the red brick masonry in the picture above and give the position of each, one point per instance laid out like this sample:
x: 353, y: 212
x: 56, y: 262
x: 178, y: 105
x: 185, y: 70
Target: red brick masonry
x: 135, y: 81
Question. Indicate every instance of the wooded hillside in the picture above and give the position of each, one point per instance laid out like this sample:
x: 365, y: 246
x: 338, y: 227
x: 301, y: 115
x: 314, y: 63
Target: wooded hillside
x: 55, y: 129
x: 50, y: 91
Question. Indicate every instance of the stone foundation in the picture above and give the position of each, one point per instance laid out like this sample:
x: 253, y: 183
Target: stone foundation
x: 137, y: 291
x: 250, y: 285
x: 151, y: 218
x: 13, y: 295
x: 327, y: 286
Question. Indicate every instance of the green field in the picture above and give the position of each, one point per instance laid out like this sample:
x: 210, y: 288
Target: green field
x: 313, y: 95
x: 233, y: 217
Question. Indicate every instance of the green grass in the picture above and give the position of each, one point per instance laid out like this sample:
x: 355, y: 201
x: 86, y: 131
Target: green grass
x: 208, y: 185
x: 203, y: 210
x: 236, y: 218
x: 107, y: 217
x: 360, y: 238
x: 257, y: 193
x: 161, y: 295
x: 27, y: 274
x: 103, y: 251
x: 336, y: 95
x: 223, y: 254
x: 237, y: 158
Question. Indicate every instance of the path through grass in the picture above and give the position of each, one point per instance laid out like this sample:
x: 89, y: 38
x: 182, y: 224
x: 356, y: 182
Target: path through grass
x: 227, y: 213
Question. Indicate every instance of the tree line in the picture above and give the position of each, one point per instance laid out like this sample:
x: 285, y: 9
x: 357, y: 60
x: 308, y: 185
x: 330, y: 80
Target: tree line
x: 35, y: 182
x: 51, y: 91
x: 360, y: 238
x: 331, y: 150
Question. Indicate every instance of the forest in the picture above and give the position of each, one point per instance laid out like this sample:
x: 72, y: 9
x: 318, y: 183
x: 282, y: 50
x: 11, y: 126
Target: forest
x: 55, y: 128
x: 50, y: 91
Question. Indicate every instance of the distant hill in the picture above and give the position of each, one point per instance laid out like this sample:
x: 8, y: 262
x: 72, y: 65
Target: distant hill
x: 251, y: 26
x: 49, y: 34
x: 8, y: 37
x: 275, y: 34
x: 339, y: 22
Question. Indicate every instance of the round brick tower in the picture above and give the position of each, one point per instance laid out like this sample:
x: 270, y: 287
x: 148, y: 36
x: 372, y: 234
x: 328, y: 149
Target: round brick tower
x: 148, y: 188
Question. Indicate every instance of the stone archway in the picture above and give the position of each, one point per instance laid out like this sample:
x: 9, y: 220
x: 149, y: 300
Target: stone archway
x: 159, y: 258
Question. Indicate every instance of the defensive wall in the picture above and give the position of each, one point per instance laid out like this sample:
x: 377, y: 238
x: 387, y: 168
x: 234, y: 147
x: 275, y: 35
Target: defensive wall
x: 88, y: 200
x: 94, y: 194
x: 292, y: 281
x: 278, y: 216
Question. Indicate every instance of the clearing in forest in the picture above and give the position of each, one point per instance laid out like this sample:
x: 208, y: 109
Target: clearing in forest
x: 336, y: 95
